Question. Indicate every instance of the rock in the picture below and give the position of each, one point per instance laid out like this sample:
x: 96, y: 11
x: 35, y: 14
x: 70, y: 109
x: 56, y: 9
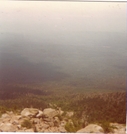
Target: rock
x: 47, y: 119
x: 62, y: 130
x: 63, y: 123
x: 45, y: 126
x: 91, y: 128
x: 19, y: 126
x: 40, y: 114
x: 38, y: 128
x: 53, y: 129
x: 49, y: 112
x: 5, y: 115
x: 20, y: 130
x: 51, y: 124
x: 31, y: 112
x: 46, y: 130
x: 6, y: 120
x: 10, y: 112
x: 118, y: 128
x: 29, y: 130
x: 69, y: 114
x: 18, y: 117
x: 15, y: 122
x: 56, y: 121
x: 60, y: 112
x: 35, y: 121
x: 7, y: 127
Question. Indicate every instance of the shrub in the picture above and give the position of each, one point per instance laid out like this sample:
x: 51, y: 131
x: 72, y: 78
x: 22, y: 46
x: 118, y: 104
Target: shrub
x: 73, y: 126
x: 27, y: 124
x: 107, y: 127
x: 70, y: 127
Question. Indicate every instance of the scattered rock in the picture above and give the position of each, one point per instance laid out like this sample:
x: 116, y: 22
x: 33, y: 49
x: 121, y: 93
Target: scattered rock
x: 47, y: 120
x: 5, y: 115
x: 118, y: 128
x: 51, y: 124
x: 7, y: 127
x: 15, y: 122
x: 56, y: 121
x: 63, y: 123
x: 62, y: 130
x: 40, y: 114
x: 35, y: 121
x: 45, y: 126
x: 29, y: 130
x: 69, y: 114
x: 60, y: 112
x: 49, y: 112
x: 19, y: 126
x: 18, y: 117
x: 31, y: 112
x: 91, y: 128
x: 9, y: 112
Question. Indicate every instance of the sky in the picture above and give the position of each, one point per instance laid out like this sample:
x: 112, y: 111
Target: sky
x: 47, y: 18
x: 80, y: 39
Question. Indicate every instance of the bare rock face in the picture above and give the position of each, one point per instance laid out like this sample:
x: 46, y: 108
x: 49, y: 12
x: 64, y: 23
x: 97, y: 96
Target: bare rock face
x: 49, y: 112
x: 31, y: 112
x: 91, y: 128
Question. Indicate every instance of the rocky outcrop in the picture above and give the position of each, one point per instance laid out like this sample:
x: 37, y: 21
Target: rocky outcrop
x: 48, y: 120
x: 91, y: 128
x: 32, y: 120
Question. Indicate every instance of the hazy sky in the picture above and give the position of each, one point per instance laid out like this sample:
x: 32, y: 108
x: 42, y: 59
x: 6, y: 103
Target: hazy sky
x: 82, y: 39
x: 47, y: 18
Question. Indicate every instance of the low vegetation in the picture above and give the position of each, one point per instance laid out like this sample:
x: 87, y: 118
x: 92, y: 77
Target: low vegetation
x: 27, y: 124
x: 100, y: 107
x: 107, y: 127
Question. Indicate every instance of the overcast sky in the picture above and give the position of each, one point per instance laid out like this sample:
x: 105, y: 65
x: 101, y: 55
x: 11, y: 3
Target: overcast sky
x: 28, y: 17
